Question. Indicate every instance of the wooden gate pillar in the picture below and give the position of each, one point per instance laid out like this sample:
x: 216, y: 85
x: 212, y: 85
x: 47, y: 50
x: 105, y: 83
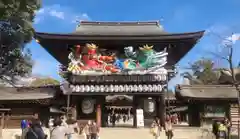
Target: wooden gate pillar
x: 162, y: 107
x: 134, y: 108
x: 157, y: 106
x: 104, y: 115
x: 100, y: 111
x: 2, y: 124
x: 99, y: 115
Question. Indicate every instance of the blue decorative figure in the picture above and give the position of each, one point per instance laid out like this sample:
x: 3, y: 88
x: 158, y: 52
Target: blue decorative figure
x: 119, y: 63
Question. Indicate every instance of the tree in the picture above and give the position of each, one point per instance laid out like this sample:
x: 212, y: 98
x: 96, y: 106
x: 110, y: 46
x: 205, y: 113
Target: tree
x: 232, y: 71
x: 228, y: 47
x: 16, y: 18
x: 44, y: 82
x: 203, y: 72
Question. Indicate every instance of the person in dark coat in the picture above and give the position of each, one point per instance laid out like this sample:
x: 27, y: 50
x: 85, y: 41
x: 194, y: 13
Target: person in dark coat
x: 215, y: 127
x: 35, y: 131
x: 114, y: 118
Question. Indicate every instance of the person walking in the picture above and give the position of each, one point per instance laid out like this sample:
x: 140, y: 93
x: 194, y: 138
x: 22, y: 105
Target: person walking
x: 58, y: 131
x: 124, y: 118
x: 25, y: 128
x: 215, y: 125
x: 94, y: 130
x: 227, y: 123
x: 64, y: 120
x: 24, y: 124
x: 72, y: 127
x: 86, y: 130
x: 35, y: 131
x: 156, y: 128
x: 168, y: 128
x: 222, y: 131
x: 114, y: 118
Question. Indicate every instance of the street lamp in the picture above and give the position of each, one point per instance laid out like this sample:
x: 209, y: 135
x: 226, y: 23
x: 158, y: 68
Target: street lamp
x: 65, y: 87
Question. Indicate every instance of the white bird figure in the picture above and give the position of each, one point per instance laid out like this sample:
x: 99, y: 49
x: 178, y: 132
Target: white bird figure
x: 129, y: 52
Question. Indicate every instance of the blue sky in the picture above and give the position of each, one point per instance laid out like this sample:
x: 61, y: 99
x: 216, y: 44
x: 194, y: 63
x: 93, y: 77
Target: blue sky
x: 220, y: 18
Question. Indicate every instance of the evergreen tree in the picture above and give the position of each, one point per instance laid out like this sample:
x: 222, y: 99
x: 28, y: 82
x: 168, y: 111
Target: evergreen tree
x: 203, y: 72
x: 16, y: 30
x: 44, y: 82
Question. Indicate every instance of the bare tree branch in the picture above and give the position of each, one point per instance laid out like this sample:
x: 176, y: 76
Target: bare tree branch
x: 219, y: 56
x: 229, y: 44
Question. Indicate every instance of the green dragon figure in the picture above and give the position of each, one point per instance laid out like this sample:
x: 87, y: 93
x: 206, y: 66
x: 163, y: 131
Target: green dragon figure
x: 145, y: 58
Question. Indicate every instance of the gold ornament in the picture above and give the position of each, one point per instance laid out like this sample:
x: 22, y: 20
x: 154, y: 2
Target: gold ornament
x: 91, y: 46
x: 146, y: 47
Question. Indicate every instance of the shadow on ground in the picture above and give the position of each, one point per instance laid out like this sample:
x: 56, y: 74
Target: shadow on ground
x: 234, y: 137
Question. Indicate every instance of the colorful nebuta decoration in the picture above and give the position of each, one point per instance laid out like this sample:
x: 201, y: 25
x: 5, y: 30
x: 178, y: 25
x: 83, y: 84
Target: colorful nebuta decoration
x: 145, y: 60
x: 91, y: 62
x: 75, y: 61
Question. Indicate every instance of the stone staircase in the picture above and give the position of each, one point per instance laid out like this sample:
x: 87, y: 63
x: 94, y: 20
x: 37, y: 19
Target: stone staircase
x: 234, y: 116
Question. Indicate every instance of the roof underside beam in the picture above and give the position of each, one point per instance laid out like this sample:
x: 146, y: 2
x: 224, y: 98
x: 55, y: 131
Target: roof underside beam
x: 176, y: 49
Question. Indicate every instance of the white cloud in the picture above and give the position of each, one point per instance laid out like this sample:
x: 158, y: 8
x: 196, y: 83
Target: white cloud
x: 81, y: 17
x: 59, y: 12
x: 40, y: 11
x: 85, y: 15
x: 220, y: 35
x: 218, y: 29
x: 230, y: 40
x: 45, y: 67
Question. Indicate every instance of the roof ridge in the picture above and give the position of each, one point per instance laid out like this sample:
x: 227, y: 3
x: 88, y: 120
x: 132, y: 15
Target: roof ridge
x: 31, y: 87
x: 120, y: 23
x: 205, y: 86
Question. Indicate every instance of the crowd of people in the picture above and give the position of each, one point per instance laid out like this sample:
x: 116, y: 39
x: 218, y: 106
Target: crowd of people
x: 59, y: 128
x: 32, y: 129
x: 114, y: 117
x: 62, y: 127
x: 221, y: 128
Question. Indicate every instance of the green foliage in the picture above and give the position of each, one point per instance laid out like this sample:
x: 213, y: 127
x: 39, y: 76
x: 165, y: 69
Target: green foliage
x: 203, y: 72
x: 16, y: 18
x: 44, y: 82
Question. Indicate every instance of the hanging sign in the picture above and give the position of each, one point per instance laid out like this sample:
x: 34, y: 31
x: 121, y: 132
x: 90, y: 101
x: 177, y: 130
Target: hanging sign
x: 88, y: 106
x: 149, y: 105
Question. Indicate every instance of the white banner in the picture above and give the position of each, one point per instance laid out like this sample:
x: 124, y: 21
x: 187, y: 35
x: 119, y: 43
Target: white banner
x: 140, y: 118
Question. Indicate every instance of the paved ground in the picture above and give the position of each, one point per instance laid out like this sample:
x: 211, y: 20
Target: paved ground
x: 127, y: 133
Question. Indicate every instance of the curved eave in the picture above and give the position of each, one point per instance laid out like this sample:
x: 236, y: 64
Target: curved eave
x: 57, y: 44
x: 75, y: 37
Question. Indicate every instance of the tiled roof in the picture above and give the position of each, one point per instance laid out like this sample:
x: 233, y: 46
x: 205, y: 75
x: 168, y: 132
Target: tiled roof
x: 27, y: 93
x: 119, y: 28
x: 206, y: 91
